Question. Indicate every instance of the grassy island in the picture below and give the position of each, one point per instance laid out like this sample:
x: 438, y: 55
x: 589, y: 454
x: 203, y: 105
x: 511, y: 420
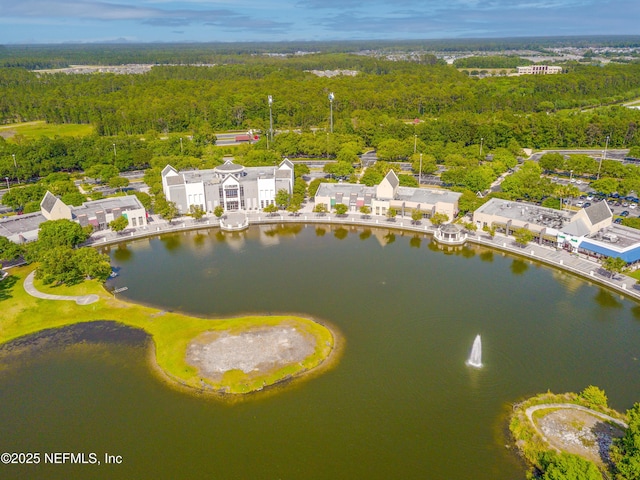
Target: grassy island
x: 180, y: 341
x: 576, y: 436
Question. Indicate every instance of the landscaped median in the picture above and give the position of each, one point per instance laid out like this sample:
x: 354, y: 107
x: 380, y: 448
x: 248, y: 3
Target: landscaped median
x: 187, y: 349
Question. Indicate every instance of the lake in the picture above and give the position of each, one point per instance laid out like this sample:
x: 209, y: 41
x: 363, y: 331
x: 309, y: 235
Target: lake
x: 401, y: 403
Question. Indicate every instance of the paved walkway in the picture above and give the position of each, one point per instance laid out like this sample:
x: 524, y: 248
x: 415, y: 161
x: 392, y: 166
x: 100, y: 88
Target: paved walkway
x: 79, y: 299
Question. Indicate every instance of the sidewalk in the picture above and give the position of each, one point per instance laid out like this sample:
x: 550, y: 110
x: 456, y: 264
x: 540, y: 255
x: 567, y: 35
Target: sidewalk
x: 79, y: 299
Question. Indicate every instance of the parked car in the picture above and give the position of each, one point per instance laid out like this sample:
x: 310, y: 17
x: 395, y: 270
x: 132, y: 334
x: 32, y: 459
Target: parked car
x: 618, y: 221
x: 624, y: 213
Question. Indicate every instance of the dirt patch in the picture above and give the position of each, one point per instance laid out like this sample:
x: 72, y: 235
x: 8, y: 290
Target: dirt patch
x: 7, y: 133
x: 255, y: 352
x: 579, y: 432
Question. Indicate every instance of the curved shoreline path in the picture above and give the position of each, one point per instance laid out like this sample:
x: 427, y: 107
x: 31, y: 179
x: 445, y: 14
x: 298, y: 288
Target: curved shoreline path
x: 79, y: 299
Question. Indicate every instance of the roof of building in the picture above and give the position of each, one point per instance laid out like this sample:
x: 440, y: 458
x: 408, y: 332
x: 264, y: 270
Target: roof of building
x: 346, y: 189
x: 229, y: 167
x: 526, y: 212
x: 48, y: 201
x: 25, y: 226
x: 392, y: 178
x: 175, y: 180
x: 426, y: 195
x: 598, y: 211
x: 615, y: 241
x: 127, y: 202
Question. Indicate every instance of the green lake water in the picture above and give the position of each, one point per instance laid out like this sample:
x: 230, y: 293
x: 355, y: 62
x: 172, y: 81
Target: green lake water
x: 401, y: 403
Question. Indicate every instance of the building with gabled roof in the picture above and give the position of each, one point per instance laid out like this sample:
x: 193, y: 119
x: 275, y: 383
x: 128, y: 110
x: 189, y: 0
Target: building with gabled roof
x: 232, y: 186
x: 389, y: 194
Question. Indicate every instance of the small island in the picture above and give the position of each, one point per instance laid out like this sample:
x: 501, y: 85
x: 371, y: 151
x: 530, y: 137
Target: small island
x: 216, y: 356
x: 577, y: 436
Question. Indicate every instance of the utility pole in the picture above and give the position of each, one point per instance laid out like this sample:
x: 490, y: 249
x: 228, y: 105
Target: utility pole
x: 115, y: 154
x: 420, y: 172
x: 331, y: 97
x: 603, y: 157
x: 270, y: 122
x: 15, y: 164
x: 181, y: 151
x: 481, y: 142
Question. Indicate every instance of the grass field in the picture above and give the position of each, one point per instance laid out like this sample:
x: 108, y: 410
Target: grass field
x: 171, y: 332
x: 39, y: 129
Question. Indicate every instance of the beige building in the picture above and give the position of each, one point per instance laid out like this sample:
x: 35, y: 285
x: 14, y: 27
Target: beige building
x: 559, y: 228
x: 539, y: 70
x: 389, y: 194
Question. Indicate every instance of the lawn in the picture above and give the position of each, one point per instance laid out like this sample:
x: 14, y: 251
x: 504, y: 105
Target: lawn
x: 171, y: 332
x: 39, y: 129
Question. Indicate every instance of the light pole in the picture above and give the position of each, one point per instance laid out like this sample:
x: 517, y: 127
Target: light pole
x: 15, y: 164
x: 270, y: 120
x: 115, y: 154
x: 181, y: 150
x: 331, y: 97
x: 481, y: 142
x: 604, y: 156
x: 570, y: 175
x: 415, y: 143
x: 420, y: 172
x: 7, y: 179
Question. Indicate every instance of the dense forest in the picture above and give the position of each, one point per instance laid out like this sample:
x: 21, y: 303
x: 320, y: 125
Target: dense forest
x: 535, y: 110
x: 398, y: 107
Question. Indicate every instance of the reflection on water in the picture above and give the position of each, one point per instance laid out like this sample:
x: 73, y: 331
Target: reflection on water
x: 400, y: 404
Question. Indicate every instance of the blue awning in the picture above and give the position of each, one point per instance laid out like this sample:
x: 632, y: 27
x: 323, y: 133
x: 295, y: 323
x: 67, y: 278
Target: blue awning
x: 631, y: 255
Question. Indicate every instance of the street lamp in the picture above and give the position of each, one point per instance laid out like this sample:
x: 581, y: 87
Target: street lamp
x: 604, y: 156
x: 481, y: 142
x: 270, y: 119
x: 16, y: 166
x: 415, y: 142
x: 331, y: 97
x: 115, y: 154
x: 181, y: 151
x: 420, y: 172
x: 7, y: 179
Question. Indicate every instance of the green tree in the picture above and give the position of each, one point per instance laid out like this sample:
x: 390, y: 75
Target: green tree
x: 92, y: 264
x: 416, y: 216
x: 614, y: 265
x: 294, y: 207
x: 74, y: 198
x: 320, y: 209
x: 490, y: 229
x: 391, y: 214
x: 605, y: 185
x: 118, y: 182
x: 119, y: 224
x: 9, y: 250
x: 197, y: 212
x: 566, y: 466
x: 282, y: 198
x: 57, y: 266
x: 625, y: 451
x: 218, y: 211
x: 61, y: 233
x: 523, y: 236
x: 168, y: 210
x: 270, y: 209
x: 365, y: 210
x: 341, y: 209
x: 439, y: 218
x: 594, y: 396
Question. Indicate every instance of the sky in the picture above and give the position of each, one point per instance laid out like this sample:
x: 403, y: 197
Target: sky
x: 98, y: 21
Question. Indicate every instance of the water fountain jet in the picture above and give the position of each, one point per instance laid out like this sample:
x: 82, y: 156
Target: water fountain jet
x: 475, y: 359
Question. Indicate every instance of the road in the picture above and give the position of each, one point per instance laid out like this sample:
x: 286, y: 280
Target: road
x: 613, y: 154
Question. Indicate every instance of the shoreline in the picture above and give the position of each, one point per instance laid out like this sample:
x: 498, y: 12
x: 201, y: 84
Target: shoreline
x: 578, y: 265
x: 28, y: 315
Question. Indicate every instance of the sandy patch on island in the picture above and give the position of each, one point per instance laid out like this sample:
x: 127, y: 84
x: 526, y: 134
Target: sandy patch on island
x: 256, y: 351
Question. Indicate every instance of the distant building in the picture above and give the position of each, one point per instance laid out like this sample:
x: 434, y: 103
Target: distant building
x: 539, y: 70
x: 232, y: 186
x: 389, y: 194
